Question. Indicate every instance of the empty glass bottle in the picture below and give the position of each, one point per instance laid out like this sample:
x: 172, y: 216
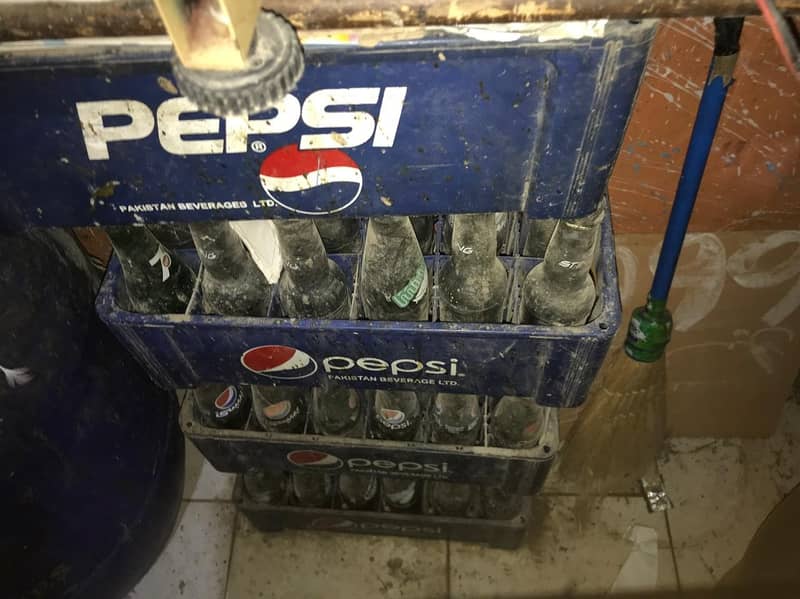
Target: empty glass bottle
x: 312, y: 489
x: 156, y: 280
x: 450, y: 499
x: 338, y: 411
x: 394, y: 279
x: 311, y: 284
x: 540, y: 230
x: 560, y: 290
x: 396, y: 415
x: 232, y: 284
x: 425, y: 231
x: 267, y: 486
x: 280, y: 409
x: 517, y: 422
x: 456, y: 419
x: 473, y: 282
x: 339, y: 235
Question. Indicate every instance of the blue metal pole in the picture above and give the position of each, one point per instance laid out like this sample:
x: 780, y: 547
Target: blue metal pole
x: 705, y: 126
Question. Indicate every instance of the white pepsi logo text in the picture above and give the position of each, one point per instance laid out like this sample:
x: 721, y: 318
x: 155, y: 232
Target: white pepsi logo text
x: 179, y: 123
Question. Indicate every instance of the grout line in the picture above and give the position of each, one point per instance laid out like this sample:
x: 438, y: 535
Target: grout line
x: 447, y: 568
x: 672, y: 550
x: 555, y: 493
x: 230, y: 553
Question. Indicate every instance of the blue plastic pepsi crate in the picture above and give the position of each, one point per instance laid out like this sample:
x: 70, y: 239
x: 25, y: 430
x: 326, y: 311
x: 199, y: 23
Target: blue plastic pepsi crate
x: 420, y: 523
x: 519, y: 471
x: 554, y: 365
x: 514, y: 118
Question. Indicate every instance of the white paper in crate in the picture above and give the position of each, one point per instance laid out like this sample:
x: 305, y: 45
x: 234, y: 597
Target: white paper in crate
x: 262, y: 242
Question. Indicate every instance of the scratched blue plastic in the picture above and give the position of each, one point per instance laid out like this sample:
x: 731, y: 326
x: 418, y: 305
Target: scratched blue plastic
x: 485, y: 126
x: 555, y: 365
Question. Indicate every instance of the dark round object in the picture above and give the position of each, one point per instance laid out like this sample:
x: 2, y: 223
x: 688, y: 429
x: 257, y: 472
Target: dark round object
x: 274, y: 66
x: 91, y: 450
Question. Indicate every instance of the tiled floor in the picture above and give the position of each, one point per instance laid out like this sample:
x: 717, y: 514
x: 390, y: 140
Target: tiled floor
x: 722, y: 490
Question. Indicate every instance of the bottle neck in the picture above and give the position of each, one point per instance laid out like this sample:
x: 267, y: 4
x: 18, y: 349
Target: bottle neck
x: 138, y: 251
x: 570, y: 253
x: 474, y: 245
x: 133, y: 241
x: 302, y: 250
x: 398, y: 227
x: 221, y: 250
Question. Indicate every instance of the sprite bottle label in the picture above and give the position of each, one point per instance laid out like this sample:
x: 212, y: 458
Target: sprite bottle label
x: 414, y: 290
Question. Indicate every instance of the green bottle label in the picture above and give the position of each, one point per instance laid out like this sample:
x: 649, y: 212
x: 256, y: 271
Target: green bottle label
x: 414, y: 290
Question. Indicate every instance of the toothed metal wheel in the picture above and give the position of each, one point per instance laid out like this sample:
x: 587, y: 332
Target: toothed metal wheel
x: 274, y: 66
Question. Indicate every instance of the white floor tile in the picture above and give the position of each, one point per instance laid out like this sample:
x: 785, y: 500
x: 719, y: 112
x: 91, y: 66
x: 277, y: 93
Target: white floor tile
x: 195, y: 562
x: 558, y: 557
x: 722, y: 490
x: 202, y: 481
x: 325, y: 565
x: 720, y: 500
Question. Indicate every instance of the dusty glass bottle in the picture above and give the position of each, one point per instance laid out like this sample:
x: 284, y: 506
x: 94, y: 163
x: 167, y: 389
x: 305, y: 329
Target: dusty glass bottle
x: 540, y: 230
x: 311, y: 284
x: 337, y: 411
x: 340, y: 412
x: 425, y: 232
x: 267, y: 486
x: 516, y: 423
x: 399, y: 494
x: 175, y: 236
x: 220, y: 405
x: 456, y: 419
x: 473, y: 282
x: 451, y: 499
x: 396, y: 415
x: 232, y: 284
x: 502, y: 221
x: 280, y: 409
x: 312, y: 489
x: 339, y: 235
x: 394, y: 281
x: 156, y: 280
x: 560, y: 291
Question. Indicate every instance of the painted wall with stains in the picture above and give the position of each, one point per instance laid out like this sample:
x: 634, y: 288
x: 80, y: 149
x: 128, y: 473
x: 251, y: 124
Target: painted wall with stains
x: 752, y: 180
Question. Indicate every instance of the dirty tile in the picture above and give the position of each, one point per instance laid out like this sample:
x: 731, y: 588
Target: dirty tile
x: 558, y: 557
x: 306, y: 564
x: 203, y: 481
x: 194, y: 563
x: 779, y: 455
x: 556, y: 484
x: 722, y: 490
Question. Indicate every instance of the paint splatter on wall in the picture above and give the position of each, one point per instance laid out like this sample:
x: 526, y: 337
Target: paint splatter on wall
x: 752, y: 178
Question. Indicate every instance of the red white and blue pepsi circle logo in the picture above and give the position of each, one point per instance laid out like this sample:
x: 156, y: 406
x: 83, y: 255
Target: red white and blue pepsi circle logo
x: 279, y: 362
x: 278, y: 411
x: 314, y: 459
x: 390, y: 416
x: 311, y: 181
x: 227, y: 398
